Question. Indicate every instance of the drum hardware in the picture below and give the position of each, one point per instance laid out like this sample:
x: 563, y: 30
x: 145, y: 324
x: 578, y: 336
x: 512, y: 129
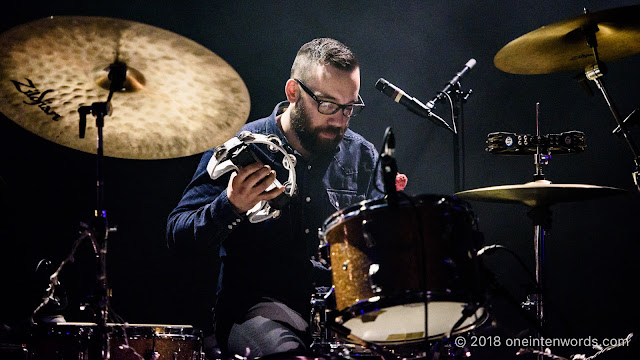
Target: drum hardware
x: 99, y: 229
x: 539, y: 195
x: 323, y: 342
x: 631, y: 119
x: 585, y: 43
x: 346, y: 333
x: 496, y: 288
x: 593, y: 73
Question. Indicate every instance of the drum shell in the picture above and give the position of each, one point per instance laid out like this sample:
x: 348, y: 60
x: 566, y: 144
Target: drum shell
x: 422, y: 243
x: 63, y: 341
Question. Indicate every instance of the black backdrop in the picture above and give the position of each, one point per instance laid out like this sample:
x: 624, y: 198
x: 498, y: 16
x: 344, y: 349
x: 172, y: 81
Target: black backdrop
x: 591, y: 262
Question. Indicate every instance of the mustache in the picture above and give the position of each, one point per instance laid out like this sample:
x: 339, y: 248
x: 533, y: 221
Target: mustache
x: 332, y: 129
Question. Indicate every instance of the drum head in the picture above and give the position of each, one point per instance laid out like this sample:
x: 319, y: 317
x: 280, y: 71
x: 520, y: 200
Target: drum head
x: 405, y: 323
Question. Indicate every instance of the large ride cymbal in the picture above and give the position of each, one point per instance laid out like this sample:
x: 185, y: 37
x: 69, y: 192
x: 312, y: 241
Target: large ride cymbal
x: 179, y: 98
x: 562, y: 46
x: 539, y: 193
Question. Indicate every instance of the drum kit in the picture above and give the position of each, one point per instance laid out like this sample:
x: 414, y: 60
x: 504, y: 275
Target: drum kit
x: 398, y: 292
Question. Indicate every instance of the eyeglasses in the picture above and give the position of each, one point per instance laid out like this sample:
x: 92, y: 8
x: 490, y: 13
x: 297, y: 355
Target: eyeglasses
x: 329, y: 108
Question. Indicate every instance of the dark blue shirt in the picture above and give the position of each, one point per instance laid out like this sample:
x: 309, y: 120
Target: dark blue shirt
x: 271, y: 259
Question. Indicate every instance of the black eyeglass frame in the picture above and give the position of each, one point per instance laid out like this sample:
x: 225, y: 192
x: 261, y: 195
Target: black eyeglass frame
x: 359, y: 106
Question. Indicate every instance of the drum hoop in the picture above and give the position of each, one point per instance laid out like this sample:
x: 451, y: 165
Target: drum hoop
x: 132, y: 330
x: 349, y: 212
x: 372, y: 204
x: 366, y: 306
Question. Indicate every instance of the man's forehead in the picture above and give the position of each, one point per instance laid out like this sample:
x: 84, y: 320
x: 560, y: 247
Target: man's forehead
x: 327, y: 80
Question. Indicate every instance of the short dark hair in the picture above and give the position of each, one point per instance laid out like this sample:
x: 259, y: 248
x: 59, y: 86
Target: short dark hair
x: 322, y: 51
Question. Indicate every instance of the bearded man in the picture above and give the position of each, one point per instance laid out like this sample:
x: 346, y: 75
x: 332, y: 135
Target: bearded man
x: 268, y: 273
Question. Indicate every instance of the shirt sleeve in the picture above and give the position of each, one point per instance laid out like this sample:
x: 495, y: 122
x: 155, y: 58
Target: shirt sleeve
x: 204, y: 216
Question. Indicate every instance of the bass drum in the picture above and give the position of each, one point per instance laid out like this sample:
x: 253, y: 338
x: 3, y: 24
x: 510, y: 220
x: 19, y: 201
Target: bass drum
x: 78, y: 341
x: 387, y: 261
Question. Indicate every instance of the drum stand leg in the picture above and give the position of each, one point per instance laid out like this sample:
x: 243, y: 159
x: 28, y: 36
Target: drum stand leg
x: 322, y: 343
x: 541, y: 216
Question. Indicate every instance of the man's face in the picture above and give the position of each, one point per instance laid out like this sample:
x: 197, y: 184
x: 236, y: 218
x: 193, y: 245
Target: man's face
x: 319, y: 133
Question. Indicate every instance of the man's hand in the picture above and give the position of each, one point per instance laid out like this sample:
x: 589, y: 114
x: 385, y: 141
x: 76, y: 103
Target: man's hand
x: 248, y: 187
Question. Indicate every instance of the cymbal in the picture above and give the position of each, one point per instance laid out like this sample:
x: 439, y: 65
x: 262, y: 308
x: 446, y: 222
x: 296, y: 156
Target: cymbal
x: 562, y: 46
x: 179, y: 98
x: 539, y: 193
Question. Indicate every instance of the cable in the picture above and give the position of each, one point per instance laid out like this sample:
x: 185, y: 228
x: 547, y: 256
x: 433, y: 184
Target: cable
x: 492, y: 248
x: 453, y: 119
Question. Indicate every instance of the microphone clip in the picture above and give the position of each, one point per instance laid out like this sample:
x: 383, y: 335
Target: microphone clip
x: 389, y: 167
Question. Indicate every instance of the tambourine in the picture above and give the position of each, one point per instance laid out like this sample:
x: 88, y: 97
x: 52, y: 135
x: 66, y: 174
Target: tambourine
x: 236, y: 153
x: 507, y: 143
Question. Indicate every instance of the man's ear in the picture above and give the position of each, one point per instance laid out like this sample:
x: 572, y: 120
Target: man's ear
x: 292, y: 91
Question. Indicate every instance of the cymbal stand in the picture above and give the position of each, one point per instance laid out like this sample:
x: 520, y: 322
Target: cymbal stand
x: 595, y: 73
x: 99, y: 229
x: 541, y: 216
x: 457, y: 98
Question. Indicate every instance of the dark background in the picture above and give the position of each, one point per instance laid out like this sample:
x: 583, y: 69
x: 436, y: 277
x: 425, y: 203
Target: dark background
x: 591, y: 263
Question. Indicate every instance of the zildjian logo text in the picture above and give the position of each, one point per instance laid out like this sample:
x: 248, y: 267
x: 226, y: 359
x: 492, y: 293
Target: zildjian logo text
x: 37, y: 97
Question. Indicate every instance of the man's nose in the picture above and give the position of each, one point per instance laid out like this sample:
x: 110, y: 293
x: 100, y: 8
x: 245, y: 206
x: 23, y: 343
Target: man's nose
x: 339, y: 119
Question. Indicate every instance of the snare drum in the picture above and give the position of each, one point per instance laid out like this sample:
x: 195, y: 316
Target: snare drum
x: 62, y: 341
x: 387, y: 261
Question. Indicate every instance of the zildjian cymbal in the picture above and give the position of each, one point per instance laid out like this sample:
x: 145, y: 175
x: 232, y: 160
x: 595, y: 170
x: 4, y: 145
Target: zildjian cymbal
x: 539, y: 193
x: 563, y: 46
x: 179, y: 98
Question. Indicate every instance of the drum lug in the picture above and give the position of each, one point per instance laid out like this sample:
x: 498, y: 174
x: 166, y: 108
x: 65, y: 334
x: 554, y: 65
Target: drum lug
x: 366, y: 233
x: 531, y: 302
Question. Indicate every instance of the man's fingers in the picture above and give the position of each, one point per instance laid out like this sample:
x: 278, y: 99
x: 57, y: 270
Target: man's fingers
x: 249, y: 170
x: 260, y: 176
x: 272, y: 194
x: 264, y: 182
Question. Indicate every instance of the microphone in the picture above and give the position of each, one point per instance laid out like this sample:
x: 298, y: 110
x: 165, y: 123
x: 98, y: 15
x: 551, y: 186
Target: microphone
x: 412, y: 104
x: 399, y: 96
x: 468, y: 66
x: 389, y: 167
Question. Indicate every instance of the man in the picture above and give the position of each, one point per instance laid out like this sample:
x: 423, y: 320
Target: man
x: 267, y: 275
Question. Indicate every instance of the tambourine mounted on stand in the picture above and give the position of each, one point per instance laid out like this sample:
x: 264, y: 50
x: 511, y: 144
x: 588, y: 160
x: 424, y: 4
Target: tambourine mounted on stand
x: 508, y: 143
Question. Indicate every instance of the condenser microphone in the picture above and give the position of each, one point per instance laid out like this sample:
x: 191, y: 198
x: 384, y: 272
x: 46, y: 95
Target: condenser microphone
x: 468, y: 66
x: 412, y: 104
x: 399, y: 96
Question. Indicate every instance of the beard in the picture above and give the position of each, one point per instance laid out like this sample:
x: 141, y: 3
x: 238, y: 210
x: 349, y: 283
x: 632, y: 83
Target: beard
x: 309, y: 136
